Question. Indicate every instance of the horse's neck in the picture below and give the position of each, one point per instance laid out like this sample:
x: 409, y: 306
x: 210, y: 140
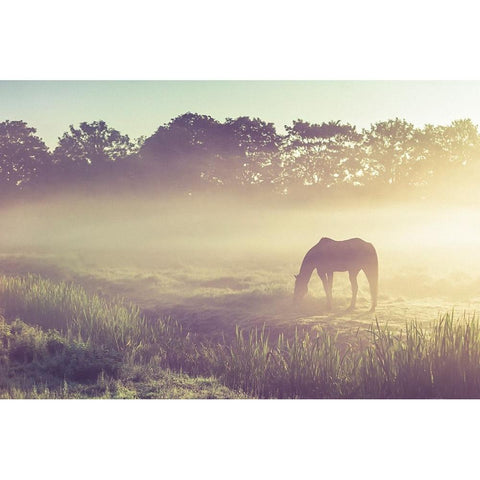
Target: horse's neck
x: 306, y: 270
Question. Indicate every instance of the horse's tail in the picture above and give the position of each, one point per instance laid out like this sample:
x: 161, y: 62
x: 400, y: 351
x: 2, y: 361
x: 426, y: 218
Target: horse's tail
x: 371, y: 271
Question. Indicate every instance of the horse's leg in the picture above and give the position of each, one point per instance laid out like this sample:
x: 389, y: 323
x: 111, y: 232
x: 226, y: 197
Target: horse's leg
x: 324, y: 279
x: 371, y: 271
x: 353, y: 280
x: 330, y: 284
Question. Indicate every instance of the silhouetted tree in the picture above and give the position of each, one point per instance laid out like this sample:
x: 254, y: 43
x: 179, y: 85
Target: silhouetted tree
x: 90, y: 149
x: 256, y: 143
x: 180, y: 149
x: 194, y: 150
x: 453, y: 151
x: 390, y: 151
x: 23, y: 156
x: 325, y: 154
x: 459, y: 143
x: 429, y: 154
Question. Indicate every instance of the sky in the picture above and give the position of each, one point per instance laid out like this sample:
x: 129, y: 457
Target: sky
x: 138, y: 108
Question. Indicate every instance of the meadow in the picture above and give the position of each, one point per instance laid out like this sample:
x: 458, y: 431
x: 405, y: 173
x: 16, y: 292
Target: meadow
x: 186, y: 299
x: 65, y: 343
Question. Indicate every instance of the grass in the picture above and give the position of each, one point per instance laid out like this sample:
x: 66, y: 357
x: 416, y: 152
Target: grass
x: 303, y: 367
x: 442, y: 362
x: 60, y: 342
x: 43, y: 364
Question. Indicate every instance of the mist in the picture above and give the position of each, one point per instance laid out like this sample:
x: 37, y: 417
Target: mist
x: 217, y: 259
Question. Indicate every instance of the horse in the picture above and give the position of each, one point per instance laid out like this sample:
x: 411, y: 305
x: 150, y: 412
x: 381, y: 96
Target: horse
x: 329, y: 256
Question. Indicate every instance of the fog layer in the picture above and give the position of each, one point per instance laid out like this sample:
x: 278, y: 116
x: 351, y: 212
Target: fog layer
x: 209, y: 253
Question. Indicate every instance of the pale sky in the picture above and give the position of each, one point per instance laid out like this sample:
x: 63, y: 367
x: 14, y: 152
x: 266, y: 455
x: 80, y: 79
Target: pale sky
x: 139, y: 107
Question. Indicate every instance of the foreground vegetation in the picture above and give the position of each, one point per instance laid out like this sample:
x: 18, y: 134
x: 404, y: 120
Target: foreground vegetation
x: 72, y: 345
x: 58, y: 341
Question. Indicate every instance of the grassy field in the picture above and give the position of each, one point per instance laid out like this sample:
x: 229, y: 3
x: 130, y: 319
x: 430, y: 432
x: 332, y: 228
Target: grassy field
x: 159, y: 297
x: 59, y: 341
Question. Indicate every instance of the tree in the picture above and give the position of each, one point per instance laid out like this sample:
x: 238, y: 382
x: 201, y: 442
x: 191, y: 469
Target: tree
x: 23, y: 156
x: 191, y: 149
x: 91, y: 148
x: 390, y: 151
x: 453, y: 151
x: 325, y: 154
x: 257, y: 145
x: 458, y: 144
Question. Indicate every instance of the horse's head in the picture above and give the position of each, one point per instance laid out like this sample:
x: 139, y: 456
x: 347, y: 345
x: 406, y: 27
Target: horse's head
x: 301, y: 288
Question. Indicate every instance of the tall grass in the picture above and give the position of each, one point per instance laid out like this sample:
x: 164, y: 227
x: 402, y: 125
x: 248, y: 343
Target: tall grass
x: 442, y: 361
x: 109, y: 324
x: 69, y: 308
x: 301, y: 367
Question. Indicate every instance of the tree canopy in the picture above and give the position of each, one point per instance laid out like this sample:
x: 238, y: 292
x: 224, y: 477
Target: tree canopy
x: 90, y: 147
x: 23, y: 155
x: 194, y: 151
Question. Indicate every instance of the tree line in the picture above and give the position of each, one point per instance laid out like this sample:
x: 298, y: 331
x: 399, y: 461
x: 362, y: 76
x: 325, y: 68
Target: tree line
x: 194, y: 151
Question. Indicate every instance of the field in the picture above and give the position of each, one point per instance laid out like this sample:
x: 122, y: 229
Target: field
x: 217, y: 280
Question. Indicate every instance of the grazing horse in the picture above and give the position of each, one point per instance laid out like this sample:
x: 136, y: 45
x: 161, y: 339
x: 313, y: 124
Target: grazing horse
x: 329, y: 256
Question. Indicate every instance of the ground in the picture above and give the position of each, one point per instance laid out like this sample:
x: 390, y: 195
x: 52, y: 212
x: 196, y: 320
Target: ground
x: 212, y: 300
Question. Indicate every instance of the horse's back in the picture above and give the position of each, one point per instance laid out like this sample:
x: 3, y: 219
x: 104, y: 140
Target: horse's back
x: 351, y: 243
x: 345, y: 254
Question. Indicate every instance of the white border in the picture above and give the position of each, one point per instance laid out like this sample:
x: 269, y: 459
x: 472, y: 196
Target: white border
x: 238, y: 40
x: 238, y: 439
x: 253, y: 39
